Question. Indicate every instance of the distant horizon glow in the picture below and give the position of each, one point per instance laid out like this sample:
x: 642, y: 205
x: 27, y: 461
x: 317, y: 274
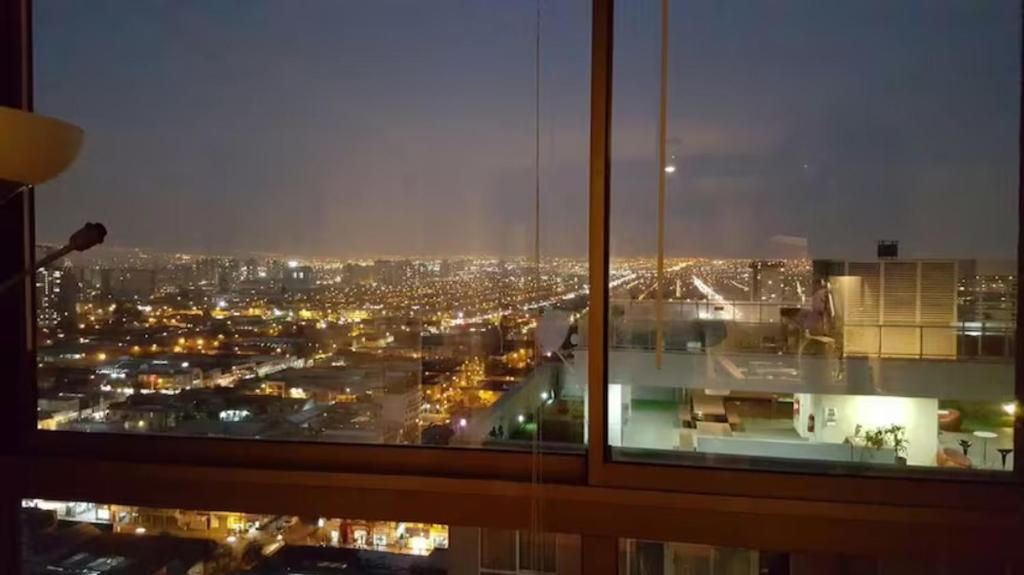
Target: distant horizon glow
x: 349, y: 130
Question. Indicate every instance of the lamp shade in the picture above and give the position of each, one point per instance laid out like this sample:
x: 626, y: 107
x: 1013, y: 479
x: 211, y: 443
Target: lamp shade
x: 34, y: 148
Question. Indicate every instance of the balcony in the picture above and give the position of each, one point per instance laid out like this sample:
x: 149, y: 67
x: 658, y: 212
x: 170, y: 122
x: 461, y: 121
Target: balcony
x: 743, y: 379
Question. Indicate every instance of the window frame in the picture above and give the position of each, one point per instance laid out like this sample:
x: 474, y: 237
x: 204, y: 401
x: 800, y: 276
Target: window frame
x: 796, y: 526
x: 733, y: 475
x: 18, y: 222
x: 588, y: 494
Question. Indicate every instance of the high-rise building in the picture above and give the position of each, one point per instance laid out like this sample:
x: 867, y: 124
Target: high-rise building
x: 298, y: 278
x: 57, y: 293
x: 228, y: 273
x: 206, y: 270
x: 253, y: 270
x: 128, y: 282
x: 176, y: 276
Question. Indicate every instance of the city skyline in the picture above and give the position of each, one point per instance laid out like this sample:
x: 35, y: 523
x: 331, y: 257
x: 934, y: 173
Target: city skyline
x: 109, y: 254
x: 205, y: 149
x: 481, y: 287
x: 325, y: 138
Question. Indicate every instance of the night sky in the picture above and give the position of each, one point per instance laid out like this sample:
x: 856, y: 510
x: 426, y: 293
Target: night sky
x: 355, y: 128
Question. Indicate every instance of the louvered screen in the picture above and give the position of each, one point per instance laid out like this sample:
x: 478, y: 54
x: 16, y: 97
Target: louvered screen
x: 938, y: 293
x: 863, y: 299
x: 899, y: 300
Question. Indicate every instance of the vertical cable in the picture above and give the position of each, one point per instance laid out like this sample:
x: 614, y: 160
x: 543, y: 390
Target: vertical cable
x: 659, y: 311
x: 537, y: 473
x: 536, y: 152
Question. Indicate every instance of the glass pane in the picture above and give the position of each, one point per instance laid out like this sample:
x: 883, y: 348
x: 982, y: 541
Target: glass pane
x: 97, y: 539
x: 538, y: 552
x: 638, y: 557
x: 498, y: 550
x: 509, y: 551
x: 835, y: 279
x: 339, y: 222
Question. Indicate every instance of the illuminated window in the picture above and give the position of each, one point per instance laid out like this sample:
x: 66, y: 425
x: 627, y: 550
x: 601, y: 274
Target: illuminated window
x: 67, y: 537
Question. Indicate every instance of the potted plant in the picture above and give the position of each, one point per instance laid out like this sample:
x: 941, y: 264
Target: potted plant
x: 894, y: 436
x: 865, y: 439
x: 898, y: 438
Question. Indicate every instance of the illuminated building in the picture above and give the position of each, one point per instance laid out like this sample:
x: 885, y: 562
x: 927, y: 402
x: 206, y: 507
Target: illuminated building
x: 299, y: 278
x: 57, y: 294
x: 128, y: 282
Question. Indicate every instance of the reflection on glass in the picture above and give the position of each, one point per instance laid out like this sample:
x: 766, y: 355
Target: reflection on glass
x: 838, y: 281
x: 639, y: 557
x: 505, y: 551
x: 312, y: 235
x: 95, y: 539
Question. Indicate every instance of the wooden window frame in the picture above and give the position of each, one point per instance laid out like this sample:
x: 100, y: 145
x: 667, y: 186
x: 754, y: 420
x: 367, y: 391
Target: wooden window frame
x: 587, y: 494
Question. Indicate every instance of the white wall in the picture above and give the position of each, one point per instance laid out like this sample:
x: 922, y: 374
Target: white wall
x: 794, y: 449
x: 918, y: 415
x: 805, y: 401
x: 615, y: 410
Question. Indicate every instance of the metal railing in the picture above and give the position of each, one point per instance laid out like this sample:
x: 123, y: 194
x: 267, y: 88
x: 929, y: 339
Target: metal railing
x: 695, y: 326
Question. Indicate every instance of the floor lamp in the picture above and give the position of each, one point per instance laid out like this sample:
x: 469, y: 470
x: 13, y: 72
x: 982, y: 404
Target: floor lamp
x: 35, y: 149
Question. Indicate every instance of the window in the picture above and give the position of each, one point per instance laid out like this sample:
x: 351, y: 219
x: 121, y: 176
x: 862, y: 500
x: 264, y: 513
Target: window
x: 663, y: 558
x: 505, y: 551
x: 350, y: 222
x: 796, y: 381
x: 814, y: 242
x: 87, y: 538
x: 638, y: 557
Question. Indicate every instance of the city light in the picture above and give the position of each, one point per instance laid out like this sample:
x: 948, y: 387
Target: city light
x: 268, y: 533
x: 419, y: 545
x: 403, y: 349
x: 339, y: 231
